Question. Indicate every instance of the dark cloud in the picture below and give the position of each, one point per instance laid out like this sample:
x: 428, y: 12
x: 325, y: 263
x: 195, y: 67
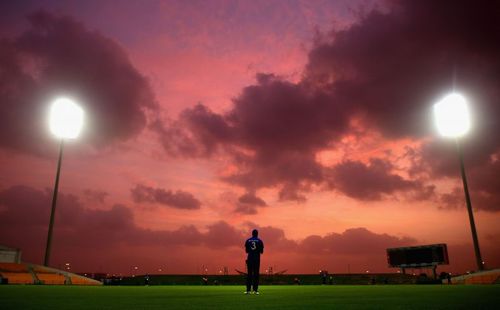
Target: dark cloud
x: 24, y: 219
x: 198, y: 132
x: 392, y: 67
x: 276, y: 115
x: 283, y: 125
x: 223, y: 235
x: 108, y: 235
x: 248, y: 203
x: 20, y: 199
x: 82, y: 227
x: 453, y: 199
x: 462, y: 255
x: 384, y: 72
x: 372, y: 181
x: 406, y: 60
x: 354, y: 241
x: 272, y: 133
x: 245, y: 209
x: 59, y: 56
x: 178, y: 200
x: 483, y: 186
x: 250, y: 198
x: 95, y: 196
x: 275, y: 238
x: 440, y: 159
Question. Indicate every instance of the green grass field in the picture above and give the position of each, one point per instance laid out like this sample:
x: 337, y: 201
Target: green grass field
x: 231, y: 297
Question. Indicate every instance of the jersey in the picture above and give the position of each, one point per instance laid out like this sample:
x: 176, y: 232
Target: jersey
x: 254, y: 247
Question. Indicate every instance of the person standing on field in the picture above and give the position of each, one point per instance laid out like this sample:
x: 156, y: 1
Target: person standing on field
x: 254, y: 247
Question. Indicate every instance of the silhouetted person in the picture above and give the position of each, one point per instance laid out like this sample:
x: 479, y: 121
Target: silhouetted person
x: 253, y: 247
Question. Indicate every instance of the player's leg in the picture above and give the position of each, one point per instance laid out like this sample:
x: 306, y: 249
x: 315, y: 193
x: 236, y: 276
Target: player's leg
x: 256, y: 272
x: 249, y: 276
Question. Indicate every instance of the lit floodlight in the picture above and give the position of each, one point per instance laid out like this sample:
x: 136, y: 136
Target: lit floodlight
x: 452, y: 116
x: 452, y: 120
x: 66, y: 118
x: 65, y: 121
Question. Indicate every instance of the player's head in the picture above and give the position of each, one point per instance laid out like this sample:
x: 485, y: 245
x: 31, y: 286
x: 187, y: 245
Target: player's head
x: 255, y: 233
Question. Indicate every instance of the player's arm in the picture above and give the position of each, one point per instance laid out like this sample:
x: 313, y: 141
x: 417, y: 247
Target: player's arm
x: 246, y: 246
x: 261, y: 247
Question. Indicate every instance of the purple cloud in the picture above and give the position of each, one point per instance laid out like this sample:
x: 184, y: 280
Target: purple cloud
x: 179, y: 199
x: 370, y: 182
x: 385, y: 71
x: 82, y: 232
x: 59, y: 56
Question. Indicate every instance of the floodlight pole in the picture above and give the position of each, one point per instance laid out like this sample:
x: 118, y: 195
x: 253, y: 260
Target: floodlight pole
x: 53, y: 210
x: 479, y: 260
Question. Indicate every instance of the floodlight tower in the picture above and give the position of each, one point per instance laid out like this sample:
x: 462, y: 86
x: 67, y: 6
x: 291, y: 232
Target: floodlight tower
x: 66, y: 120
x: 452, y: 119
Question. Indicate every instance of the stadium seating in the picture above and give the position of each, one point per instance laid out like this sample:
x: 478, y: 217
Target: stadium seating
x: 13, y: 267
x: 78, y: 280
x: 35, y: 274
x: 18, y: 277
x: 483, y: 277
x: 58, y: 277
x: 41, y: 269
x: 16, y: 273
x: 52, y: 279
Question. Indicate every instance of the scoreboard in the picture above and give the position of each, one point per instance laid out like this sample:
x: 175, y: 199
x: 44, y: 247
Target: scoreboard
x: 418, y: 256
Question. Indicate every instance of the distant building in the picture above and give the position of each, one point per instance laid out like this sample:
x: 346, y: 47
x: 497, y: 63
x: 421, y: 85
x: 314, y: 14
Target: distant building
x: 9, y: 255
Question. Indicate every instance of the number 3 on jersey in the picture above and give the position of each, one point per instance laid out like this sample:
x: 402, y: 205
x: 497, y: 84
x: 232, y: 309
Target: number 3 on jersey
x: 253, y: 246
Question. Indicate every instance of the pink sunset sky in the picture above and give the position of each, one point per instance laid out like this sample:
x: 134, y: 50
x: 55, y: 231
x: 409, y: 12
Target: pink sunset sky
x: 309, y: 120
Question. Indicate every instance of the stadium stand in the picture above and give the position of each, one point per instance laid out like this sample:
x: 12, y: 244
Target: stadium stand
x: 49, y: 276
x: 483, y: 277
x: 13, y: 267
x: 14, y: 273
x: 17, y: 277
x: 41, y: 269
x: 61, y: 277
x: 79, y: 280
x: 52, y: 279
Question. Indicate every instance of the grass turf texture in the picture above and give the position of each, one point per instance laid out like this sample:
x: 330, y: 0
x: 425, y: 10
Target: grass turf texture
x: 232, y: 297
